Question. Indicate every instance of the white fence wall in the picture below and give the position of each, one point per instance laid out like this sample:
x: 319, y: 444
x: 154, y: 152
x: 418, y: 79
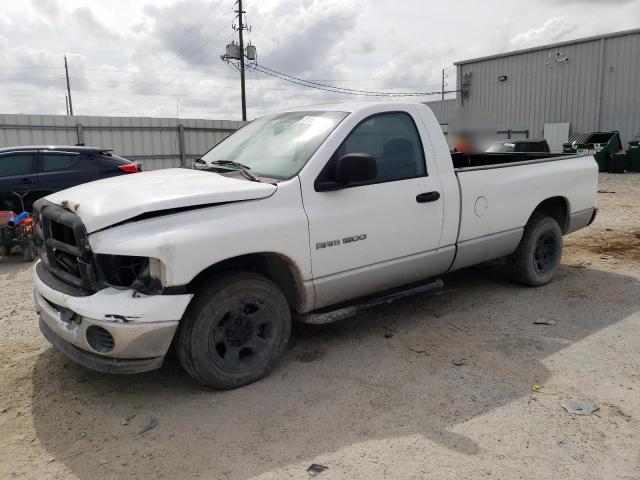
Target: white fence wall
x: 155, y: 142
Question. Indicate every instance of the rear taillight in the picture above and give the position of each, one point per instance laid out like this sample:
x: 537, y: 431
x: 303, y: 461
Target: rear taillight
x: 130, y: 167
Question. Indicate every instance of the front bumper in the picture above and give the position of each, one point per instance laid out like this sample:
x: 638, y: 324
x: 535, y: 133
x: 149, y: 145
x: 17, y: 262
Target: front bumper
x: 98, y: 362
x: 140, y: 328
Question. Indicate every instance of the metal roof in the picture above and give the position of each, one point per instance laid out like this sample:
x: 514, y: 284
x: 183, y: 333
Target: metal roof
x: 550, y: 45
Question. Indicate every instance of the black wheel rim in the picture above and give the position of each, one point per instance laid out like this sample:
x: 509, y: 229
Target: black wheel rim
x: 545, y: 253
x: 243, y: 336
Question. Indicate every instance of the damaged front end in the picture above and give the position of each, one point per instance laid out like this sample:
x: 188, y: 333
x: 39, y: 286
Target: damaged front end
x: 107, y: 312
x: 65, y: 251
x: 142, y: 274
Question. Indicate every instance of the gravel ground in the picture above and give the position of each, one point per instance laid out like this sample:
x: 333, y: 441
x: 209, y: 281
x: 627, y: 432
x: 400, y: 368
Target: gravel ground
x: 433, y: 387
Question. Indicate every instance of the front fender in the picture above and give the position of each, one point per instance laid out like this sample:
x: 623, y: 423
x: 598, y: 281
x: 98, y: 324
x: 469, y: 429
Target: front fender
x: 186, y: 243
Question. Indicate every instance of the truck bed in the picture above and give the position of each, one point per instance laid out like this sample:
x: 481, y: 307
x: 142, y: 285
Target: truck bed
x: 495, y: 206
x: 463, y: 160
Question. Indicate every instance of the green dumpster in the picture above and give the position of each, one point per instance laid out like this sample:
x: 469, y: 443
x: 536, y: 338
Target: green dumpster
x: 599, y: 144
x: 633, y: 154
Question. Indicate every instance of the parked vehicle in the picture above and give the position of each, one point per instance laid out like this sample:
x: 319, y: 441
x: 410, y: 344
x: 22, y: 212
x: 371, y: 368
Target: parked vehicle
x: 633, y: 154
x: 602, y: 145
x: 16, y: 230
x: 300, y: 214
x: 37, y: 171
x: 510, y: 146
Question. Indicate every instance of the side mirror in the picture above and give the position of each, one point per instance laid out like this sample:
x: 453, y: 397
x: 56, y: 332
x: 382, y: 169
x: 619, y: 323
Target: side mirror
x: 349, y: 170
x: 199, y: 164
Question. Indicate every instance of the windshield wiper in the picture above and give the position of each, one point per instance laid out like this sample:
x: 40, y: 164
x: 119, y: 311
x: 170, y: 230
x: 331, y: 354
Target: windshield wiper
x: 243, y: 169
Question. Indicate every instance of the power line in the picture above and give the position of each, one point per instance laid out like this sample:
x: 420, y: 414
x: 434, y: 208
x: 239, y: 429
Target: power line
x: 259, y: 89
x: 187, y: 32
x: 127, y: 82
x: 31, y: 92
x: 30, y: 79
x: 368, y: 79
x: 107, y: 70
x: 120, y: 82
x: 153, y: 84
x: 116, y: 92
x: 342, y: 89
x: 29, y: 68
x: 333, y: 88
x: 158, y: 84
x: 156, y: 73
x: 193, y: 53
x: 140, y: 72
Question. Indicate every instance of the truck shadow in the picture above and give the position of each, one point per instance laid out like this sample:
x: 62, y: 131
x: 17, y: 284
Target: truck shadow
x: 421, y: 366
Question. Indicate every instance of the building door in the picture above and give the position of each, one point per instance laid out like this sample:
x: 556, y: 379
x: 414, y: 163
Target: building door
x: 556, y: 134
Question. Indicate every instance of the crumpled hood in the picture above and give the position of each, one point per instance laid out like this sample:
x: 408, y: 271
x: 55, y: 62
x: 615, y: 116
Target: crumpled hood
x: 112, y: 200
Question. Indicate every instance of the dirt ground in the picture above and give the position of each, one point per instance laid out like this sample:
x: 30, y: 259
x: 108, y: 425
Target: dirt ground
x: 436, y: 387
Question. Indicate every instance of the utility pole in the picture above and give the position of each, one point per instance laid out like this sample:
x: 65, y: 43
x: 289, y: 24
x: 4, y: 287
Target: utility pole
x: 237, y: 52
x: 66, y: 69
x: 241, y: 27
x: 443, y: 77
x: 66, y: 102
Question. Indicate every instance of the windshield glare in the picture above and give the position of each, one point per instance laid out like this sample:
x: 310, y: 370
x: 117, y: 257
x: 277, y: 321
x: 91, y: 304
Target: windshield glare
x: 277, y: 146
x: 501, y: 147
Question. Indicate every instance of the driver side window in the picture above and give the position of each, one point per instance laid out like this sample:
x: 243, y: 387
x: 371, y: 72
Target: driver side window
x: 393, y: 140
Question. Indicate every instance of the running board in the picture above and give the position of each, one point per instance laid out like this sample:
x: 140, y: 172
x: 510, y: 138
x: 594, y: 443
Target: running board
x: 354, y: 309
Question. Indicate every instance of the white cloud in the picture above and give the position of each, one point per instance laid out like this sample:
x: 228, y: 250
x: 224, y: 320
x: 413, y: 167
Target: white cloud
x: 553, y: 30
x: 87, y: 21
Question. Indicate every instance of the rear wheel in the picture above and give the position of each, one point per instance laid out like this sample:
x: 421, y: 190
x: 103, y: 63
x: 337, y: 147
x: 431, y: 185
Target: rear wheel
x: 537, y: 257
x: 235, y: 331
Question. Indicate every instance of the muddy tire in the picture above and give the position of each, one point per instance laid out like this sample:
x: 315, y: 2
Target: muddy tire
x: 234, y: 331
x: 537, y: 257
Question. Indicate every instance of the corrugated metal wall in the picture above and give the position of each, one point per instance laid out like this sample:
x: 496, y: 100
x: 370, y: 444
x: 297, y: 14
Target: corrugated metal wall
x: 597, y: 88
x: 155, y: 142
x: 621, y: 86
x: 443, y: 109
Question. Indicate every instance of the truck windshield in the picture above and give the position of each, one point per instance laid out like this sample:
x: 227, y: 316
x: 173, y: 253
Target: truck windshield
x: 277, y: 146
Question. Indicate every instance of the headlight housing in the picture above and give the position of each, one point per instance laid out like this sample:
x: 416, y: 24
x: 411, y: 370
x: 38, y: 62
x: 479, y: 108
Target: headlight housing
x: 142, y: 274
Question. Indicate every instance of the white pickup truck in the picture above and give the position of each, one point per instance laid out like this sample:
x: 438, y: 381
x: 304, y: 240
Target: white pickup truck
x: 295, y: 215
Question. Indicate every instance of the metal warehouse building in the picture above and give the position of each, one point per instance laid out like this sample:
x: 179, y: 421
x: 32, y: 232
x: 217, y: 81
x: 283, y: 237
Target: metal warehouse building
x: 591, y: 84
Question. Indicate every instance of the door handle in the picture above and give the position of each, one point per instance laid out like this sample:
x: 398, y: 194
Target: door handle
x: 427, y: 197
x: 27, y: 180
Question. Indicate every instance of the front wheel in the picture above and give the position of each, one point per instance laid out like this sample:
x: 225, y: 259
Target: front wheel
x: 235, y: 330
x: 537, y: 257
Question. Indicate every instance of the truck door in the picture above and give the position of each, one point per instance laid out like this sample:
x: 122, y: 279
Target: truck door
x: 17, y: 174
x: 377, y: 236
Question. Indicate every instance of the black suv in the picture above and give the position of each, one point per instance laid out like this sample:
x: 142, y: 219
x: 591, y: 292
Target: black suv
x: 36, y: 171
